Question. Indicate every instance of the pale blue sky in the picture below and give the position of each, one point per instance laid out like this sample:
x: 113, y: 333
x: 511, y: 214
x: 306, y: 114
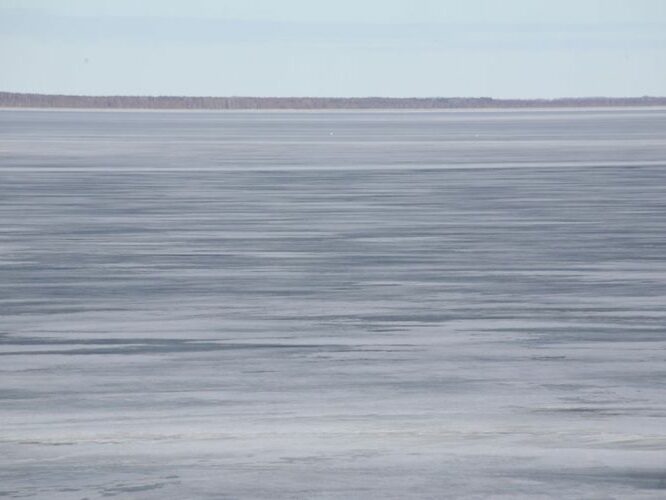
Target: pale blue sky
x: 502, y: 48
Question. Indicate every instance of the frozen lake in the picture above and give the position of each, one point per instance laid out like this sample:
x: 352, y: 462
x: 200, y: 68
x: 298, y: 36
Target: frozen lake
x: 333, y: 304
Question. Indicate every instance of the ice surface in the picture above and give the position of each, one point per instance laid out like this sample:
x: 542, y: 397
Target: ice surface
x: 421, y: 305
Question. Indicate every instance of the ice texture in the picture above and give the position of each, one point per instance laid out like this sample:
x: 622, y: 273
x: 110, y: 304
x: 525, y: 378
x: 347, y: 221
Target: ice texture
x: 459, y: 304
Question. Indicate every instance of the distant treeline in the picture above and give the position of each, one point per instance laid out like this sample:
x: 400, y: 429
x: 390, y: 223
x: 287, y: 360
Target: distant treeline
x: 16, y: 100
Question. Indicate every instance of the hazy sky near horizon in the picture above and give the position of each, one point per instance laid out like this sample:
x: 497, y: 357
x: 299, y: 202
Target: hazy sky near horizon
x: 509, y: 48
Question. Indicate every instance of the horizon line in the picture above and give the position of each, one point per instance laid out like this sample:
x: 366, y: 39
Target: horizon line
x: 138, y: 101
x: 294, y: 96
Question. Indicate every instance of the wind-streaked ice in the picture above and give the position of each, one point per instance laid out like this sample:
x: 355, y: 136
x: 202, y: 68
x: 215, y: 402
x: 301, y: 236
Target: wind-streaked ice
x: 456, y: 304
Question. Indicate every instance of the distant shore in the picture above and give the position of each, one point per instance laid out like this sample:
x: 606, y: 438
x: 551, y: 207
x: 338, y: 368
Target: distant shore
x: 21, y: 100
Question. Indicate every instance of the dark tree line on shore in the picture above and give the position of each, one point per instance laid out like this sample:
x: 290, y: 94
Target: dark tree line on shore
x: 19, y: 100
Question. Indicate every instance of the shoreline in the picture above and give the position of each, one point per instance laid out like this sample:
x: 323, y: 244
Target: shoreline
x: 19, y: 100
x: 505, y: 109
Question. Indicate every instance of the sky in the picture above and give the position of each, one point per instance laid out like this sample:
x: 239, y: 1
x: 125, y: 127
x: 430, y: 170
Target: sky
x: 392, y: 48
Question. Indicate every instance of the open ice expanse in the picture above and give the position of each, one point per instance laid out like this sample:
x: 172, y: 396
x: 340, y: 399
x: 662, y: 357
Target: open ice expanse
x: 333, y: 304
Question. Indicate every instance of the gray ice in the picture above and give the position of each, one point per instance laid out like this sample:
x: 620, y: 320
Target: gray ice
x: 333, y: 304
